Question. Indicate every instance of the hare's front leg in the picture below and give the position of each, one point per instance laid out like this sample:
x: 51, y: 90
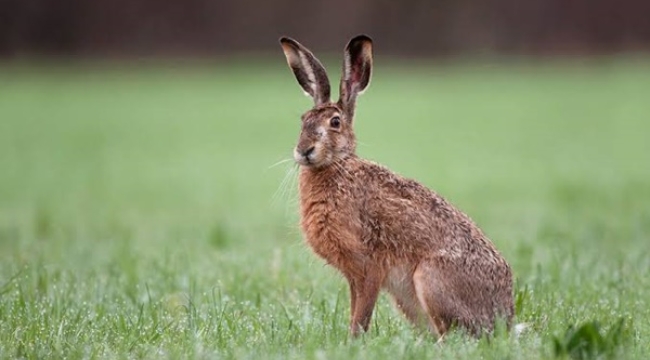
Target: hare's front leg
x: 353, y: 297
x: 363, y: 296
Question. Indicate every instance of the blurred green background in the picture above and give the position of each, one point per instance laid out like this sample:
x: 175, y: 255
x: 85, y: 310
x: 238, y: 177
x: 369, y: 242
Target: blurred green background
x: 146, y: 210
x: 140, y: 211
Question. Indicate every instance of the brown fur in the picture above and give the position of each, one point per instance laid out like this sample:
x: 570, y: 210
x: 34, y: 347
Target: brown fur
x: 381, y: 230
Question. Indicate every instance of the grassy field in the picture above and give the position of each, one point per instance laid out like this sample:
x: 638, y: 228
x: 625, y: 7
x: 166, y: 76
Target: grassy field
x: 141, y: 216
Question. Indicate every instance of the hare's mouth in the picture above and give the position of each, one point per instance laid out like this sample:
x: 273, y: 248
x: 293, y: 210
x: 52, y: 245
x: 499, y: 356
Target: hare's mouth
x: 309, y: 157
x: 304, y: 161
x: 306, y: 157
x: 308, y: 162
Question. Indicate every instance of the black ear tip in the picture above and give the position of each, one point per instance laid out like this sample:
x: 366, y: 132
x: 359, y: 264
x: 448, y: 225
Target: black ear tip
x: 289, y: 41
x: 359, y: 42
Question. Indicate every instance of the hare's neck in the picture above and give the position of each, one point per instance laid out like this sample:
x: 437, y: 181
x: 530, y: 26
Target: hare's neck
x: 323, y: 183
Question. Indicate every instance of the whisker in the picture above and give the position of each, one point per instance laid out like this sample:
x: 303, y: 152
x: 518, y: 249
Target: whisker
x: 281, y: 190
x: 295, y: 199
x: 292, y: 182
x: 342, y: 170
x: 280, y: 162
x: 292, y: 193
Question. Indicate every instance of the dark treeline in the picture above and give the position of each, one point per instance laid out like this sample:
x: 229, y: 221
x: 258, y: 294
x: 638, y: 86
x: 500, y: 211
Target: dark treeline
x: 406, y: 27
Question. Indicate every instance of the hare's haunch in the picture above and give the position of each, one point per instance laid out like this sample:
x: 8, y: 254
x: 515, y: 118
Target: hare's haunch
x: 381, y: 230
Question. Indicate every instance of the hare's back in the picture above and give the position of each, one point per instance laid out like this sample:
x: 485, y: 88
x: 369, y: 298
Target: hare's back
x: 412, y: 217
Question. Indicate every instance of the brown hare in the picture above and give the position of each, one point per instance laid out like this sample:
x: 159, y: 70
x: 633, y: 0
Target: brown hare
x: 381, y: 230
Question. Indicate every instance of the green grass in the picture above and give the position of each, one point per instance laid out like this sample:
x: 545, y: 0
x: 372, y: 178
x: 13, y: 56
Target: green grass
x: 140, y: 217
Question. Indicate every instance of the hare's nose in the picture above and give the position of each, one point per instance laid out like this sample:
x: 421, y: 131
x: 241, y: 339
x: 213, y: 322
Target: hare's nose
x: 307, y: 152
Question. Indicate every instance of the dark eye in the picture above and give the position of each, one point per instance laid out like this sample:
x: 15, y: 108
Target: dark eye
x: 335, y: 122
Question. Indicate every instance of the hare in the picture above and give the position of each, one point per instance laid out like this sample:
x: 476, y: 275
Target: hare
x: 384, y: 231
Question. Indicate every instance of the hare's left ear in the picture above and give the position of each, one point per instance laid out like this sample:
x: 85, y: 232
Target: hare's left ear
x: 309, y: 72
x: 357, y: 68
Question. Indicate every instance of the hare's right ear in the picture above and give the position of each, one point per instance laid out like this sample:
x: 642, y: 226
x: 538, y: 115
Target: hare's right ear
x: 357, y: 68
x: 309, y: 72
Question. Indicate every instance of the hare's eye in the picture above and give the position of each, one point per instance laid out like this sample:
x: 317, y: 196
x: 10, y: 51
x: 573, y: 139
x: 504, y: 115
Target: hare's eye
x: 335, y: 122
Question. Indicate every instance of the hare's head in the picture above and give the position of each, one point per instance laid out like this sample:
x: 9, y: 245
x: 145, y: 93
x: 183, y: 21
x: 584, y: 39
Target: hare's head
x: 327, y: 133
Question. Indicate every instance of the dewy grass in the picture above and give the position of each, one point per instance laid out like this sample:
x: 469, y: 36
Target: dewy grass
x: 141, y: 215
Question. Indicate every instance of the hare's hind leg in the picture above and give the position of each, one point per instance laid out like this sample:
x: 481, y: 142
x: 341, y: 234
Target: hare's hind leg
x: 399, y: 284
x: 435, y: 298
